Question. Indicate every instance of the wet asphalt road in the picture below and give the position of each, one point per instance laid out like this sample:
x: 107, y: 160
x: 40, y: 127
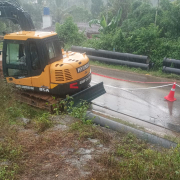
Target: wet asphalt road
x: 143, y: 107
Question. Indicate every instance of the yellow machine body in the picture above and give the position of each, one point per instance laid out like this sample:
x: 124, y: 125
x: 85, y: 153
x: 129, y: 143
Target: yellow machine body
x: 69, y: 74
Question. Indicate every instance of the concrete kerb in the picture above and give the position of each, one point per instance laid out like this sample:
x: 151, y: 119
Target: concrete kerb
x: 126, y: 129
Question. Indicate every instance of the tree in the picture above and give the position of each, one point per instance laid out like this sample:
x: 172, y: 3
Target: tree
x: 2, y: 27
x: 141, y: 15
x: 96, y: 7
x: 85, y: 2
x: 68, y: 32
x: 103, y: 23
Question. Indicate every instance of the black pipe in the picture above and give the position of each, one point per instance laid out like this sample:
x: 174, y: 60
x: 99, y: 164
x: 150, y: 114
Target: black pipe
x: 171, y: 62
x: 120, y: 62
x: 112, y: 55
x: 171, y: 70
x: 126, y: 129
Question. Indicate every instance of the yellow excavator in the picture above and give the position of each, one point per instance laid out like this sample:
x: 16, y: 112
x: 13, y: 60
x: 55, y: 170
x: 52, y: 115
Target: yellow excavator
x: 34, y: 61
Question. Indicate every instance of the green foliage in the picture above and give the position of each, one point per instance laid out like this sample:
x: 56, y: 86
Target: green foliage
x: 9, y: 150
x: 43, y: 122
x: 78, y: 111
x: 138, y: 31
x: 7, y: 173
x: 2, y: 28
x: 69, y: 33
x: 10, y: 153
x: 86, y: 129
x: 106, y: 28
x: 111, y: 8
x: 142, y: 41
x: 133, y: 159
x: 168, y: 18
x: 142, y: 15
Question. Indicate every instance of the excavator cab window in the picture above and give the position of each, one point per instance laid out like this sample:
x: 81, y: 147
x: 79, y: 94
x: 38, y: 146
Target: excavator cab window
x: 15, y: 58
x: 35, y: 62
x: 53, y: 49
x: 16, y: 54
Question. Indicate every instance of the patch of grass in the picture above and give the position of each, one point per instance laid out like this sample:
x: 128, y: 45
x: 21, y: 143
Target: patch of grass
x: 156, y: 73
x: 11, y: 152
x: 88, y: 130
x: 84, y: 128
x: 8, y: 172
x: 174, y: 139
x: 78, y: 111
x: 10, y: 155
x: 43, y: 122
x: 132, y: 159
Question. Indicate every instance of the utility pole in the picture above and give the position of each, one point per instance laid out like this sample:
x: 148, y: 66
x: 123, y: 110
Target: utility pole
x: 156, y: 13
x: 107, y: 11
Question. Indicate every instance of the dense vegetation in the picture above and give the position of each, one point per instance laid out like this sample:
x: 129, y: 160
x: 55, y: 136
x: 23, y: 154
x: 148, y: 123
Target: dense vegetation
x: 142, y: 29
x: 68, y: 33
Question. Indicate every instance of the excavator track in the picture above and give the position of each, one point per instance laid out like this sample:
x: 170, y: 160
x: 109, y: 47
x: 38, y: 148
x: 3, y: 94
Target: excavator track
x: 39, y: 100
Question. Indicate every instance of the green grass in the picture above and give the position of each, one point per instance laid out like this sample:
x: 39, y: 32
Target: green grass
x: 10, y: 150
x: 156, y: 73
x: 42, y: 122
x: 133, y: 159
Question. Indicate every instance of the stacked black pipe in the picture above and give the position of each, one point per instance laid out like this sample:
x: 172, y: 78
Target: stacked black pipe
x: 171, y: 66
x: 111, y: 57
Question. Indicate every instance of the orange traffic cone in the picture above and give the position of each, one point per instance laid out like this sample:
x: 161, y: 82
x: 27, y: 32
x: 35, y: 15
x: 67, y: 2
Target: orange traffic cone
x: 170, y: 97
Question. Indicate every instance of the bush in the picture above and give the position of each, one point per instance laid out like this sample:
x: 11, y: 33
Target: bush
x: 68, y: 33
x: 143, y: 41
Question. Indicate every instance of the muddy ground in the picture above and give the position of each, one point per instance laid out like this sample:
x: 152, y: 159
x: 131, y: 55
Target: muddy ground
x: 65, y: 151
x: 60, y: 154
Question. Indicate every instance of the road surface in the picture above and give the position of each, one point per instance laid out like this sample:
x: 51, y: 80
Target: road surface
x: 143, y: 107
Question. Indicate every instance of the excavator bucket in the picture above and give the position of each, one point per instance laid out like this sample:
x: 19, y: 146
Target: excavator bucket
x: 89, y: 94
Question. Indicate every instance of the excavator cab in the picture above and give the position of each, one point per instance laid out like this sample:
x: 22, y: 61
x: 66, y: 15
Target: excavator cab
x: 25, y: 57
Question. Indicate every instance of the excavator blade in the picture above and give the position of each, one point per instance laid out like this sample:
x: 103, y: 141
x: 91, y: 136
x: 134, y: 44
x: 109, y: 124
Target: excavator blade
x: 89, y: 94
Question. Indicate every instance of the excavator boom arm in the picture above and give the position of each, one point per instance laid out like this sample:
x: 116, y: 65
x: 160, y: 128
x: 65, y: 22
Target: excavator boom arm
x: 17, y: 15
